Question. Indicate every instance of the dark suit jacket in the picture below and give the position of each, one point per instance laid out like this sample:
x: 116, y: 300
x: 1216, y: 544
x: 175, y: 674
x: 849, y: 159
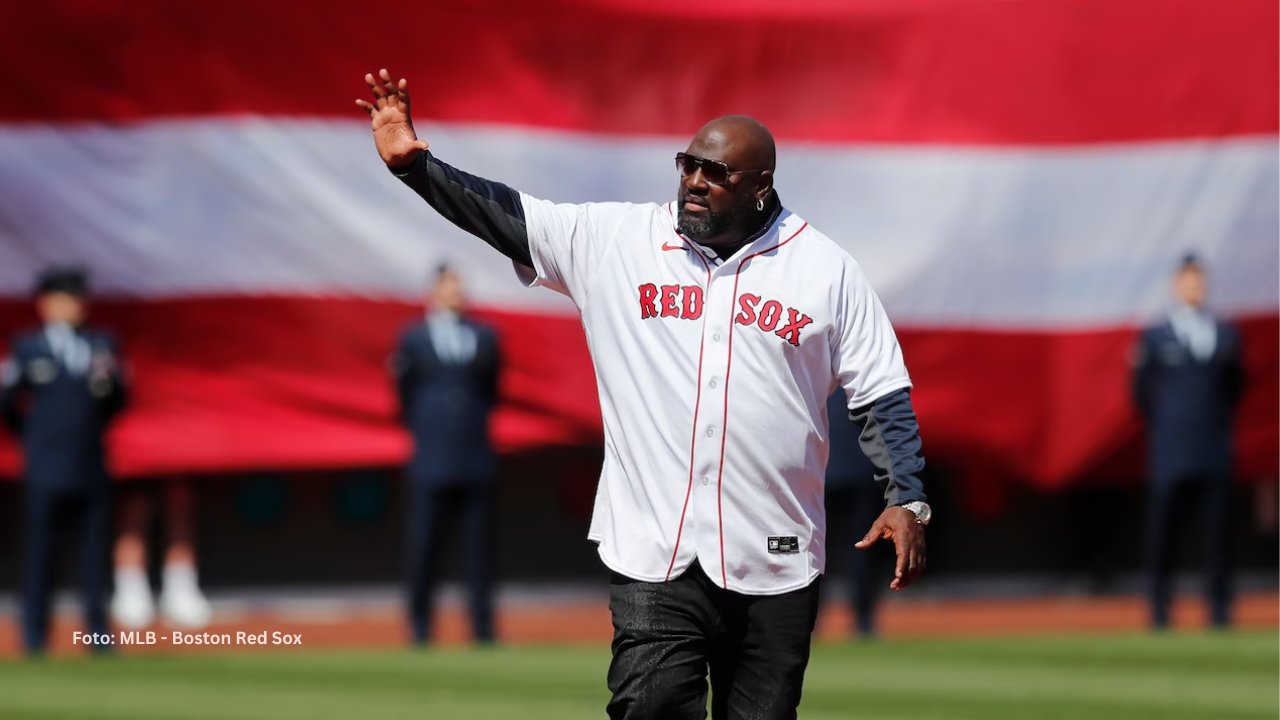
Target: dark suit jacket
x: 446, y: 406
x: 60, y: 417
x: 1187, y: 403
x: 847, y: 465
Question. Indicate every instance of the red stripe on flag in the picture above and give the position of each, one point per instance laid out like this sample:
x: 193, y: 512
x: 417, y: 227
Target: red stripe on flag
x: 960, y: 71
x: 247, y: 383
x: 241, y: 383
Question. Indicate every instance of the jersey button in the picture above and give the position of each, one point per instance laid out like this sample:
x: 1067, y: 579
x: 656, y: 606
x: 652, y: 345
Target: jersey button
x: 706, y: 480
x: 711, y: 431
x: 713, y: 383
x: 716, y: 337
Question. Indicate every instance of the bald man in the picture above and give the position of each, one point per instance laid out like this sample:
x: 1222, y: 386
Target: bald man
x: 718, y: 325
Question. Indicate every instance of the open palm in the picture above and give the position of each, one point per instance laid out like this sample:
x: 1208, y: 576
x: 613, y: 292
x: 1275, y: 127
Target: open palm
x: 390, y: 119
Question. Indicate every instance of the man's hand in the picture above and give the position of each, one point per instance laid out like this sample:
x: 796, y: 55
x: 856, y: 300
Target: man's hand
x: 899, y: 525
x: 389, y: 117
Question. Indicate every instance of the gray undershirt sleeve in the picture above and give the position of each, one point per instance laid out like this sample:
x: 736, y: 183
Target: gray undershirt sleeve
x: 890, y: 438
x: 489, y: 210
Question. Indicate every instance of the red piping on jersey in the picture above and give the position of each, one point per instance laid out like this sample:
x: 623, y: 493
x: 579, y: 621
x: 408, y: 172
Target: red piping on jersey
x: 724, y: 423
x: 697, y: 401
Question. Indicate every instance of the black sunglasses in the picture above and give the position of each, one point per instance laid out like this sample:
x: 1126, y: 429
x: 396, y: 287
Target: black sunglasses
x: 713, y: 171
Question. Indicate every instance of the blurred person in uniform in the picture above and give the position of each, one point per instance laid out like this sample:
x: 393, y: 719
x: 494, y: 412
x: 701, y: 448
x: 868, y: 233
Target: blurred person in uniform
x: 182, y: 604
x: 60, y: 387
x: 446, y: 376
x: 1187, y: 382
x: 853, y: 499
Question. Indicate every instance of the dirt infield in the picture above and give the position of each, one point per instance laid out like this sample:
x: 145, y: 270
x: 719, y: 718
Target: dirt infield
x: 582, y: 622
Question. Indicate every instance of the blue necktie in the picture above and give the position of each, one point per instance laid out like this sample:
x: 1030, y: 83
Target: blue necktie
x: 70, y: 350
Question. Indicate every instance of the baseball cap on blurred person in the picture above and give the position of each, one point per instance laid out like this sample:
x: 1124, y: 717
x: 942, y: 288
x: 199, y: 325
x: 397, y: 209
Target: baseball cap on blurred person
x: 68, y: 280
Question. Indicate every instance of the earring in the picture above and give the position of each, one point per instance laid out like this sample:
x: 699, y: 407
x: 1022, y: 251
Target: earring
x: 760, y: 204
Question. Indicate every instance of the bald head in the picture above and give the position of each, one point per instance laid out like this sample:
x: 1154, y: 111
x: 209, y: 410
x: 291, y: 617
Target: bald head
x: 741, y: 141
x: 726, y: 181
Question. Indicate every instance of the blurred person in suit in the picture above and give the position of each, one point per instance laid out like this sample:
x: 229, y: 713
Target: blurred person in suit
x: 446, y: 377
x: 181, y: 602
x: 853, y: 499
x: 1187, y: 381
x: 60, y: 387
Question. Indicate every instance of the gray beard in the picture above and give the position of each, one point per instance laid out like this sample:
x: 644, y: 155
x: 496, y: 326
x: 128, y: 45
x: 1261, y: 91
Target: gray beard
x: 698, y: 228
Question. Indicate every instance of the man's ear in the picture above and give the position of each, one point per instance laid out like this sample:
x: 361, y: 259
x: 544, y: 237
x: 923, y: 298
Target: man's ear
x: 764, y: 185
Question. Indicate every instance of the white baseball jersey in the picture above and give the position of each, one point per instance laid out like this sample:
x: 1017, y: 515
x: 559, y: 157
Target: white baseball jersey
x: 713, y: 380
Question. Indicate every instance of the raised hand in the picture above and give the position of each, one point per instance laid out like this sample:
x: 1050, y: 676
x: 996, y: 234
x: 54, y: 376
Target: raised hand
x: 390, y: 119
x: 899, y: 525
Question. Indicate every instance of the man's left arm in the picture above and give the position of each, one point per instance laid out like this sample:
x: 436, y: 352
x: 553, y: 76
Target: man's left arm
x: 1233, y: 366
x: 108, y: 378
x: 890, y: 438
x: 869, y: 367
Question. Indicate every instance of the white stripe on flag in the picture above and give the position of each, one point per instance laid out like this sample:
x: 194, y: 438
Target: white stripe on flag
x: 959, y: 237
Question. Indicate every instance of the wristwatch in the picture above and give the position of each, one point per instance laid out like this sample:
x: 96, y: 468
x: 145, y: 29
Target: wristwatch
x: 921, y: 510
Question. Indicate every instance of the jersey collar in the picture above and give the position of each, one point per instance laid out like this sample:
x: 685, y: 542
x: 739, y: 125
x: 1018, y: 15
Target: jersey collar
x: 776, y: 213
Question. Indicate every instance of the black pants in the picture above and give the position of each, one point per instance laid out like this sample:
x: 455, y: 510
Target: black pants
x: 667, y: 635
x: 1168, y: 500
x: 856, y: 503
x: 51, y: 515
x: 431, y: 509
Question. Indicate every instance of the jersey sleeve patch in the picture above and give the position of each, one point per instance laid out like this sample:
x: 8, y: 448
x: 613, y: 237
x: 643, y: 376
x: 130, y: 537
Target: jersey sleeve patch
x: 9, y: 373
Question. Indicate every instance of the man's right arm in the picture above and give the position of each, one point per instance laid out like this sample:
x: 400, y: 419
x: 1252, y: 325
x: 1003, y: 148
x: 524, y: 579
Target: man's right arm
x: 563, y: 244
x: 404, y: 376
x: 11, y: 383
x: 487, y: 209
x: 1143, y: 375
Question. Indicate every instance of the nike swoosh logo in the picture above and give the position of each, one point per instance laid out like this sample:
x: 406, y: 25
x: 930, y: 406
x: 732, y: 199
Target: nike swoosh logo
x: 665, y: 246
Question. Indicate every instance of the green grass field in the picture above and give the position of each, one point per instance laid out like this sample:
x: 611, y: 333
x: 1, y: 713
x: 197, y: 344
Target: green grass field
x: 1131, y: 677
